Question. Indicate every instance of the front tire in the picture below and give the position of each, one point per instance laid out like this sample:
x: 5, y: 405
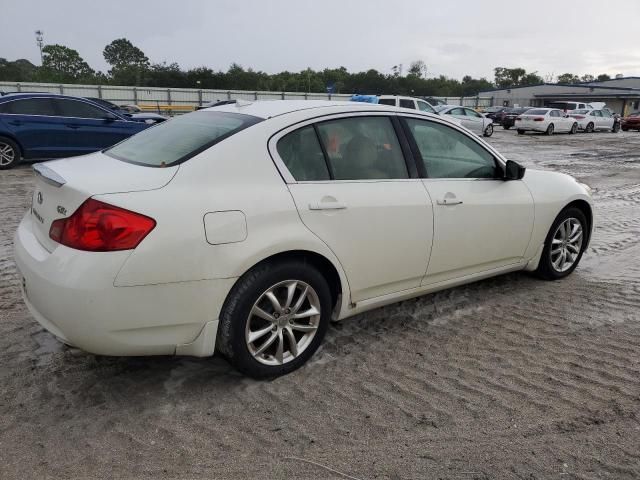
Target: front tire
x: 564, y: 245
x: 488, y: 131
x: 550, y: 129
x: 274, y: 319
x: 9, y: 153
x: 589, y: 128
x: 574, y: 128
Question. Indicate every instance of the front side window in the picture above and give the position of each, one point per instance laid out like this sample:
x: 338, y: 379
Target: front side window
x: 29, y: 106
x: 77, y: 109
x: 362, y: 148
x: 555, y: 113
x: 180, y: 138
x: 471, y: 113
x: 404, y: 103
x: 448, y: 153
x: 605, y: 113
x: 301, y: 152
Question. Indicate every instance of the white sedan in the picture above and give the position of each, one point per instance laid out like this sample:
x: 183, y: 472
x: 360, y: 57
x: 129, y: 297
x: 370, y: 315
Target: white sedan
x: 545, y: 120
x: 245, y: 229
x: 469, y: 118
x: 592, y: 120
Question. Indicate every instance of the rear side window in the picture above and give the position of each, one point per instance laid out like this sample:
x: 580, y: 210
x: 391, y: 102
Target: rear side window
x: 77, y: 109
x: 29, y: 106
x: 302, y: 154
x: 407, y: 104
x: 387, y: 101
x: 447, y: 153
x: 181, y: 138
x: 363, y: 148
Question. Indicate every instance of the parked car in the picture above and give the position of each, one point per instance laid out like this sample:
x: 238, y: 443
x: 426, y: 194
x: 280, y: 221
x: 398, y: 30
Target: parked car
x: 284, y: 216
x: 545, y: 120
x: 631, y: 122
x: 568, y: 106
x: 406, y: 102
x: 495, y: 114
x: 591, y: 120
x: 146, y: 117
x: 469, y: 118
x: 38, y: 126
x: 510, y: 114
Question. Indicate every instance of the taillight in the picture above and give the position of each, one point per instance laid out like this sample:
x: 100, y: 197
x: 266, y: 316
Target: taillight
x: 99, y: 227
x: 538, y: 119
x: 518, y: 118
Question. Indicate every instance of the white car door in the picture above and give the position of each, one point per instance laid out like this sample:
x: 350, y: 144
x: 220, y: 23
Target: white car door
x: 353, y: 189
x: 607, y: 120
x: 481, y: 222
x: 459, y: 114
x: 476, y: 119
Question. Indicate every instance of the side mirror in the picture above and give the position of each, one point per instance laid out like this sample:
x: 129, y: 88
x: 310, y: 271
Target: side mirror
x: 513, y: 171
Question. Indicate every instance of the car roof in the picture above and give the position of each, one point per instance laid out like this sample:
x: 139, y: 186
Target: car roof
x: 273, y: 108
x: 17, y: 95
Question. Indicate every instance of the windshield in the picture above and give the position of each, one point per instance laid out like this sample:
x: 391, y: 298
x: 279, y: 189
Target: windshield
x: 181, y: 138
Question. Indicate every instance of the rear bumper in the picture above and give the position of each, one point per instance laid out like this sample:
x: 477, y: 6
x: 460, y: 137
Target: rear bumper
x: 531, y: 128
x: 71, y: 294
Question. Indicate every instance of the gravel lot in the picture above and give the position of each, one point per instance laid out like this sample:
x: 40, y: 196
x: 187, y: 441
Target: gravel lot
x: 507, y: 378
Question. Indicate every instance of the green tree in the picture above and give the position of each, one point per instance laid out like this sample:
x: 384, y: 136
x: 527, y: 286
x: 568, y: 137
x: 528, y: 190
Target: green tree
x: 603, y: 77
x: 129, y: 64
x: 507, y: 77
x: 64, y: 64
x: 418, y: 69
x: 20, y: 70
x: 568, y: 78
x: 587, y: 78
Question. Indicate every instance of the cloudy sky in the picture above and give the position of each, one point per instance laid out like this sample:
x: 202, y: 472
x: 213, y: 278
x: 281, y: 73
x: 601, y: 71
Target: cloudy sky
x: 453, y: 37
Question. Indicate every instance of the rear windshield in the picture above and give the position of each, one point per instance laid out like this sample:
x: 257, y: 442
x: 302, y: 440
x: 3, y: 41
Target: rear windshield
x: 537, y: 112
x: 180, y: 138
x: 494, y: 109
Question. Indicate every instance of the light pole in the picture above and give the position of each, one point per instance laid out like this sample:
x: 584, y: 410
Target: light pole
x: 40, y: 42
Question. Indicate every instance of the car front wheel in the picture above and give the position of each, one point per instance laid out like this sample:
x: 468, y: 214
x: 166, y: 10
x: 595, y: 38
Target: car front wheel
x: 274, y: 319
x: 9, y: 153
x: 550, y: 129
x: 589, y: 128
x: 574, y: 128
x: 564, y: 245
x: 488, y: 131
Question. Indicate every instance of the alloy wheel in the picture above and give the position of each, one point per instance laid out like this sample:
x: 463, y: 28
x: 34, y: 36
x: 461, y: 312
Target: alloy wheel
x: 282, y: 322
x: 566, y: 244
x: 7, y: 154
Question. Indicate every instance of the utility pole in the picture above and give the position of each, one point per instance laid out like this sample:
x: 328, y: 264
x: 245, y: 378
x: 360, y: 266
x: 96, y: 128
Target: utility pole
x: 40, y: 43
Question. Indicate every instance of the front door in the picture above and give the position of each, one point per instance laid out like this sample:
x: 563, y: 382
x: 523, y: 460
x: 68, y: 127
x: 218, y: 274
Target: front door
x: 353, y: 190
x: 481, y: 222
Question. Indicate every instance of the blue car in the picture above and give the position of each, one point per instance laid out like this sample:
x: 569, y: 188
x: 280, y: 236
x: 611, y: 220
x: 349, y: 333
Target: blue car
x: 43, y: 126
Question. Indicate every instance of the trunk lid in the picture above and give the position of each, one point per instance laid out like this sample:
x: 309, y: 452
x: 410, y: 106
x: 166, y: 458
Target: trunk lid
x: 61, y: 186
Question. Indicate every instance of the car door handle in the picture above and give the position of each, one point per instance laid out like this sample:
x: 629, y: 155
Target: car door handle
x: 449, y: 201
x: 327, y: 206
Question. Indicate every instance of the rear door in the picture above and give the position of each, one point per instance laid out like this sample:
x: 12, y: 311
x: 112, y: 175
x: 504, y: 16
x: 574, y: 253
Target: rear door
x: 475, y: 120
x: 89, y: 128
x: 607, y: 119
x: 32, y: 121
x: 356, y: 189
x: 481, y: 222
x: 459, y: 114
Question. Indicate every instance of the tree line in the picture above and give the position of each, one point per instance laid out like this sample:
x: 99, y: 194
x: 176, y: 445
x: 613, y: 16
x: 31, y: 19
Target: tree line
x: 130, y: 66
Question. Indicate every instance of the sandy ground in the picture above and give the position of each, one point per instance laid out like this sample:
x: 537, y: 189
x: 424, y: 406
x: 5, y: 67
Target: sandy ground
x: 507, y: 378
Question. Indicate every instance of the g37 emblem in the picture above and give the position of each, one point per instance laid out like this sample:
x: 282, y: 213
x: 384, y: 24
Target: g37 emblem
x: 62, y: 210
x: 40, y: 198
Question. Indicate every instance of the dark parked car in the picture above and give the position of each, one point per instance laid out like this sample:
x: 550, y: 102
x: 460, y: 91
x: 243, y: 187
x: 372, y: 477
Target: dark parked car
x: 510, y: 114
x: 631, y: 122
x: 41, y: 126
x: 138, y: 117
x: 494, y: 113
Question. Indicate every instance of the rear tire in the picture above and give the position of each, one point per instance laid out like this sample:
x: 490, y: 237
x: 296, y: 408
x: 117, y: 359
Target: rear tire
x: 9, y: 153
x: 256, y: 291
x: 574, y: 129
x: 589, y: 128
x: 551, y: 266
x: 550, y: 129
x: 520, y: 132
x: 625, y: 129
x: 506, y: 127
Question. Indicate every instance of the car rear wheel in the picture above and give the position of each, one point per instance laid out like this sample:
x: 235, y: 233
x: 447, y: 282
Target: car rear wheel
x: 564, y: 245
x: 274, y: 319
x: 520, y: 132
x: 488, y: 131
x: 574, y: 128
x: 550, y: 129
x: 589, y: 128
x: 9, y: 153
x: 506, y: 127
